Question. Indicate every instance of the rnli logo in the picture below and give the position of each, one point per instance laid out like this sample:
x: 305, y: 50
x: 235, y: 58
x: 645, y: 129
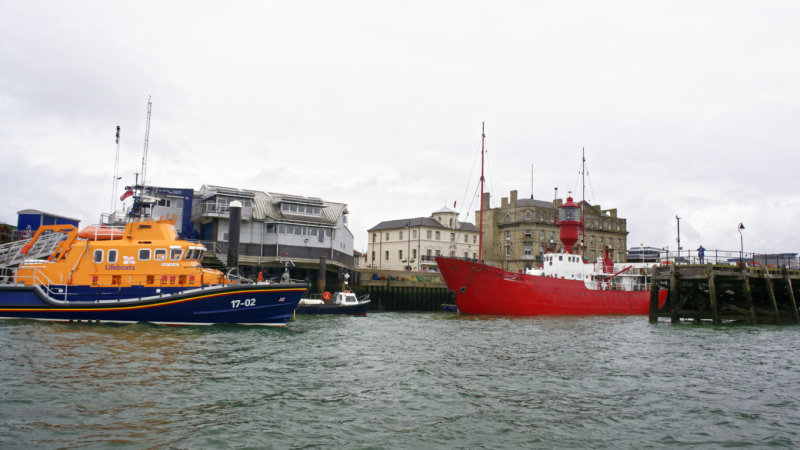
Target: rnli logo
x: 282, y: 299
x: 128, y: 260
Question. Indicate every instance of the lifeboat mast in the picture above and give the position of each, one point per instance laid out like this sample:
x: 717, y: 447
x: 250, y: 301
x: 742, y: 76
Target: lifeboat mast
x: 139, y: 207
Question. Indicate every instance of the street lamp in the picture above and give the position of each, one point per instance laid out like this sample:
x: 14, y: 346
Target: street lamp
x: 741, y: 244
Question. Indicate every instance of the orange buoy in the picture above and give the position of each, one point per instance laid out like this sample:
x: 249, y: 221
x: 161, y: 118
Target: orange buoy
x: 326, y: 295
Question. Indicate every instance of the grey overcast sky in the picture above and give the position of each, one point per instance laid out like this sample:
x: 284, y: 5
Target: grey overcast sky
x: 688, y: 108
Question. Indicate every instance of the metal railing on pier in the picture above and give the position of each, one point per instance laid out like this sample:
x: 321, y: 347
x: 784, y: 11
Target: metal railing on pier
x: 731, y: 257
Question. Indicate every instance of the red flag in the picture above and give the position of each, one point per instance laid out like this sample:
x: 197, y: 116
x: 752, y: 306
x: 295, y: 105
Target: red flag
x: 127, y: 194
x: 454, y: 203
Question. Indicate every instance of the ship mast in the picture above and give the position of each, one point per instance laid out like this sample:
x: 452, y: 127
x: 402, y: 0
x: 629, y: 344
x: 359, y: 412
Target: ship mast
x: 582, y: 229
x: 146, y: 142
x: 140, y: 204
x: 480, y: 231
x: 116, y: 175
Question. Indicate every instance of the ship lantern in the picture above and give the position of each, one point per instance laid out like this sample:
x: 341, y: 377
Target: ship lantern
x: 569, y: 222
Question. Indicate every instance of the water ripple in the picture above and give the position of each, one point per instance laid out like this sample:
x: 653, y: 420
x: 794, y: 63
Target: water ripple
x: 397, y: 380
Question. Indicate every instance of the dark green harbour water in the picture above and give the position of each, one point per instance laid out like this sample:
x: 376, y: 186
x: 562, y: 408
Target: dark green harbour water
x: 401, y: 380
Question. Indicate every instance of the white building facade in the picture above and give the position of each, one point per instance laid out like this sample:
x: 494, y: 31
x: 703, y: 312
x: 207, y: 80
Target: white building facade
x: 414, y: 244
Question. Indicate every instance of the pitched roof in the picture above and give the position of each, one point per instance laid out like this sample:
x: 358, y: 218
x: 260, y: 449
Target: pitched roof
x: 429, y: 222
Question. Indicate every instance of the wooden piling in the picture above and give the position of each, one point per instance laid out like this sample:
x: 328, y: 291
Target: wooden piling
x: 712, y: 296
x: 653, y: 299
x: 748, y: 296
x: 785, y: 273
x: 674, y: 295
x: 771, y: 294
x: 720, y: 292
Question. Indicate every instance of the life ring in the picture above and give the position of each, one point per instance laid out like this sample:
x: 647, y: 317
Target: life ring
x: 326, y: 295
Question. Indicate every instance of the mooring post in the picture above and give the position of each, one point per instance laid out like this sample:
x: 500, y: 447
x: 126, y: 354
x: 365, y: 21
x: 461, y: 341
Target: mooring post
x: 712, y: 295
x: 788, y: 280
x: 771, y: 292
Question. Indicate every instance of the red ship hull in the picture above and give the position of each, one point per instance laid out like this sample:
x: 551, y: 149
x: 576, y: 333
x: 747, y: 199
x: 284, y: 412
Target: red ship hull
x: 482, y: 289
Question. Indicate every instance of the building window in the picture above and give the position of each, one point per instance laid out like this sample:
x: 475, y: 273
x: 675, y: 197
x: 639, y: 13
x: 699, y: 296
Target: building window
x: 374, y: 237
x: 508, y: 235
x: 591, y: 239
x: 452, y: 237
x: 414, y: 253
x: 528, y: 249
x: 474, y: 239
x: 428, y: 234
x: 528, y: 232
x: 541, y: 235
x: 508, y: 217
x: 541, y: 217
x: 466, y: 239
x: 438, y: 253
x: 527, y: 215
x: 508, y: 251
x: 387, y: 236
x: 387, y: 255
x: 400, y: 255
x: 437, y: 235
x: 401, y: 236
x: 414, y: 234
x: 373, y: 256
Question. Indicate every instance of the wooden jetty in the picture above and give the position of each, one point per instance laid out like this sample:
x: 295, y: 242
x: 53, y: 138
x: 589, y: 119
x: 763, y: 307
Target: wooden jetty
x: 716, y: 292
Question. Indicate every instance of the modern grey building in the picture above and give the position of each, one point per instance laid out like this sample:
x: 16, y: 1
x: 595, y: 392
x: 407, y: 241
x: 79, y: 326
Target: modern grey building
x: 276, y: 227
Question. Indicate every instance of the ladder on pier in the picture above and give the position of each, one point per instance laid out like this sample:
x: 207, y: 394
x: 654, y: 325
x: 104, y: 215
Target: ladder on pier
x: 11, y: 256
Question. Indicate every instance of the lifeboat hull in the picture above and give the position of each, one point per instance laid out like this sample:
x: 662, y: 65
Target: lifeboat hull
x: 257, y: 304
x: 481, y: 289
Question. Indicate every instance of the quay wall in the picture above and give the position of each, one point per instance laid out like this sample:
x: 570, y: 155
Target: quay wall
x: 398, y: 290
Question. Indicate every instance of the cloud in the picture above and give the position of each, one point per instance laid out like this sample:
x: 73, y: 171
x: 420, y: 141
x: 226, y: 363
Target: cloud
x: 683, y: 108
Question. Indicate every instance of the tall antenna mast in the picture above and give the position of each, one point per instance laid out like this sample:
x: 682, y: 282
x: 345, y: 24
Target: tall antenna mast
x: 146, y: 142
x: 116, y: 175
x: 480, y: 231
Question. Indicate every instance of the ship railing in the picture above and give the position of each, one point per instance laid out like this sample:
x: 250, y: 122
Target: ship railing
x: 11, y: 255
x: 38, y: 278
